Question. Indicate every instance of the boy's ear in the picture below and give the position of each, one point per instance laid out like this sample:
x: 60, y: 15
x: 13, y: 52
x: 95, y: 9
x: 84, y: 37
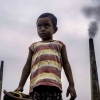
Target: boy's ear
x: 55, y: 29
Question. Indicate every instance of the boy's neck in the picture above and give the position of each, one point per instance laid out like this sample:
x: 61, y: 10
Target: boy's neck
x: 47, y: 40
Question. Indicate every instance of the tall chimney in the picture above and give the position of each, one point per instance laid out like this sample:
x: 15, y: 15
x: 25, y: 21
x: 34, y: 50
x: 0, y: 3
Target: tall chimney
x: 1, y: 75
x: 95, y: 93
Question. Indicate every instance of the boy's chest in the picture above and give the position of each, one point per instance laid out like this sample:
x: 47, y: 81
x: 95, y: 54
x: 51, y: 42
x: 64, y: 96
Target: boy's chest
x: 47, y: 47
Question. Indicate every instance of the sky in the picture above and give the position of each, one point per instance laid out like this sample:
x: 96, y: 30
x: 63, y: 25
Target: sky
x: 18, y: 31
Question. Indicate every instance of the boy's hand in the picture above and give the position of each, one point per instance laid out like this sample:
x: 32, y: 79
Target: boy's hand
x: 72, y: 92
x: 19, y: 89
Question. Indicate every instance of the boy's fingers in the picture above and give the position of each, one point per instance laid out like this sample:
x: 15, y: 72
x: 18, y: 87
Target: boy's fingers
x: 18, y: 89
x: 67, y: 93
x: 73, y: 96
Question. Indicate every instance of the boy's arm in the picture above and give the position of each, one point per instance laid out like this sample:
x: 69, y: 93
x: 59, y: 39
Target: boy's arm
x: 68, y: 72
x: 25, y: 72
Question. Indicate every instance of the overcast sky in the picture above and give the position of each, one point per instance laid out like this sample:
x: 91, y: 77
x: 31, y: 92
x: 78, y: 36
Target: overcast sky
x: 18, y: 31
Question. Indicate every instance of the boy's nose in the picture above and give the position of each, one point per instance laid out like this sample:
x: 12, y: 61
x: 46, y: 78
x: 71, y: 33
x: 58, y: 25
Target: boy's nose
x: 43, y: 28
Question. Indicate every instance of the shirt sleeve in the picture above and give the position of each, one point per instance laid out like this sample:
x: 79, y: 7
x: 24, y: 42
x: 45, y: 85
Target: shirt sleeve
x: 61, y: 44
x: 31, y: 47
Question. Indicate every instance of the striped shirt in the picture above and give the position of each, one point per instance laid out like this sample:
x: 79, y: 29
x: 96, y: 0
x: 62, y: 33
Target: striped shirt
x: 46, y: 64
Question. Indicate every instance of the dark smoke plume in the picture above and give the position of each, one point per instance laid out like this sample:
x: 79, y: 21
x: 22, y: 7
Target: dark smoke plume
x: 93, y: 28
x: 94, y: 13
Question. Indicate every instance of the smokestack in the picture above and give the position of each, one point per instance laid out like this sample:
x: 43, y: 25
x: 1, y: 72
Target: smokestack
x: 95, y: 92
x: 94, y: 13
x: 1, y: 75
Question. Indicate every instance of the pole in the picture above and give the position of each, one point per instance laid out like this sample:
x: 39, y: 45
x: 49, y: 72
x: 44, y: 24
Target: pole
x: 1, y: 75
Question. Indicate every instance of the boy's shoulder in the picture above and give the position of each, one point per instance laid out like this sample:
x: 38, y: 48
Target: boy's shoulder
x: 60, y: 42
x: 34, y: 43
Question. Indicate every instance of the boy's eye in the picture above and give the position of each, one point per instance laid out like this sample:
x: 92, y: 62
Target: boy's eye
x: 46, y: 25
x: 39, y: 26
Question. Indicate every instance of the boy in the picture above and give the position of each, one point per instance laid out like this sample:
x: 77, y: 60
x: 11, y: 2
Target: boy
x: 45, y: 61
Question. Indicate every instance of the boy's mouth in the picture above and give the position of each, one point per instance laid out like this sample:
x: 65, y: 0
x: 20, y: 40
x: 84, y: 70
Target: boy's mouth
x: 43, y: 34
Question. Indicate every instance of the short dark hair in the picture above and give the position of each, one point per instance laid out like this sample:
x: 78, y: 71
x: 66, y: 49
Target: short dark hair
x: 51, y: 16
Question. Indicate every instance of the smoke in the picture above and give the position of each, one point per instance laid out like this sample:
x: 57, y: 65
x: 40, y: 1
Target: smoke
x: 94, y: 13
x: 93, y: 28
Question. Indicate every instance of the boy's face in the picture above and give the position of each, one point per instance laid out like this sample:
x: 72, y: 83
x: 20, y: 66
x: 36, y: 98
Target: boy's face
x: 45, y: 28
